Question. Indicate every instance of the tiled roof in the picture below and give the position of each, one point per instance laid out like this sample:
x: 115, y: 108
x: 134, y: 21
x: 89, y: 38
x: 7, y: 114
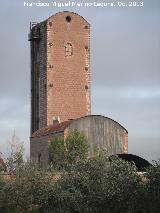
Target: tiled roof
x: 61, y: 126
x: 52, y: 128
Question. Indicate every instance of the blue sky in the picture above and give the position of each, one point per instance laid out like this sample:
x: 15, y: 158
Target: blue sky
x: 125, y: 69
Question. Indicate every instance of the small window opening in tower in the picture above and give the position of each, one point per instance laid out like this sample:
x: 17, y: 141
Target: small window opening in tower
x: 50, y: 85
x: 86, y: 47
x: 50, y: 24
x: 68, y: 18
x: 86, y: 87
x: 68, y: 49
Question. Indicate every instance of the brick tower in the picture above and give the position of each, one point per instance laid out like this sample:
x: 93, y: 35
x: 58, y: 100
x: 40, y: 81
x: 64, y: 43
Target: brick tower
x: 60, y: 69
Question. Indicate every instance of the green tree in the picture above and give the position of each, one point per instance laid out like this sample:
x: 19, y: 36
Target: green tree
x: 100, y: 186
x: 27, y: 191
x: 57, y: 152
x: 96, y: 185
x: 76, y: 146
x: 16, y: 155
x: 152, y: 188
x: 73, y: 149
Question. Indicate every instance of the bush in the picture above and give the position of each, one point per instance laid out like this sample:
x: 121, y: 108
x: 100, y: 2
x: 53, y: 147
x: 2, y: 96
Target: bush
x: 28, y: 190
x: 15, y: 160
x: 73, y: 149
x: 152, y: 188
x: 100, y: 186
x: 57, y: 153
x: 85, y: 186
x: 76, y: 146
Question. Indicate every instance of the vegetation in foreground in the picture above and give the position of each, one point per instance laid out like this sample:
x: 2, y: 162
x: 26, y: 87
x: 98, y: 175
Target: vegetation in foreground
x: 73, y: 183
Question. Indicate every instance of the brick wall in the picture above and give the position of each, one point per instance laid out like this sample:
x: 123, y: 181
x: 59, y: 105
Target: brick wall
x: 39, y: 148
x: 60, y: 80
x: 38, y: 78
x: 42, y: 57
x: 68, y: 76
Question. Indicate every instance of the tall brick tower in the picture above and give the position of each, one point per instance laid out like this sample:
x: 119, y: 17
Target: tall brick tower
x: 60, y: 69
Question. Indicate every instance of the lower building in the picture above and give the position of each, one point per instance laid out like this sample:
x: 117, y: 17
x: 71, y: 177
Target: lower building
x: 102, y: 133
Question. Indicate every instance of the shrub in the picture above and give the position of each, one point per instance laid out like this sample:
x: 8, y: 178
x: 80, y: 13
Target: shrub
x: 57, y: 152
x: 101, y: 186
x: 73, y: 149
x: 76, y: 146
x: 152, y: 188
x: 87, y: 185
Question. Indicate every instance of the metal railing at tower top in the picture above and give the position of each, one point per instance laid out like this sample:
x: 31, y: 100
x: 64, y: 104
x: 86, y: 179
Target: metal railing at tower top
x: 34, y: 32
x: 33, y: 24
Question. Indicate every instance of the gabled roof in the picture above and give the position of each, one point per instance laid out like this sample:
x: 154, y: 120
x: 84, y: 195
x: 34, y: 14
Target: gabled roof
x: 60, y: 127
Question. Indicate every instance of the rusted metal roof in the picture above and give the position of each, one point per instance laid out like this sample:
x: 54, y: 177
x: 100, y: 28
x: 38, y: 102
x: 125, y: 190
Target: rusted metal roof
x: 60, y: 127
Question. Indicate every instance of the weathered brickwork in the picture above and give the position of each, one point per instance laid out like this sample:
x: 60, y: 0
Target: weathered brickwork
x: 38, y: 77
x: 68, y: 80
x: 42, y: 57
x: 60, y: 70
x: 39, y: 148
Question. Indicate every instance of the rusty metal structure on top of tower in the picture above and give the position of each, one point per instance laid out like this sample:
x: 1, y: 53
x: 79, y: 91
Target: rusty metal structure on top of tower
x: 34, y: 32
